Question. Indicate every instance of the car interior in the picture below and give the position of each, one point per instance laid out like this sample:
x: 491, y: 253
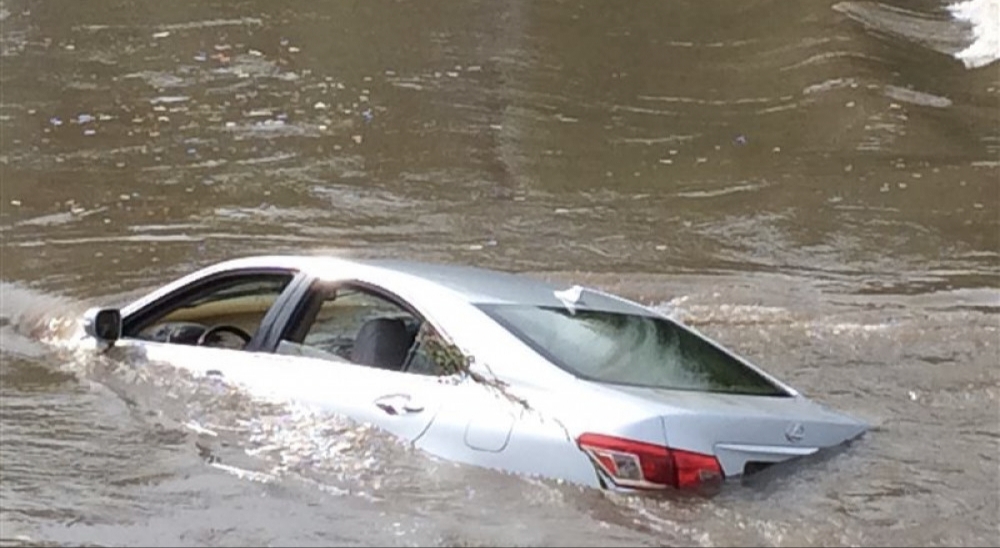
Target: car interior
x: 226, y: 315
x: 346, y: 323
x: 359, y: 326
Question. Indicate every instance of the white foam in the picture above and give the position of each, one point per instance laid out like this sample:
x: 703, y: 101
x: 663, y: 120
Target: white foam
x: 984, y: 16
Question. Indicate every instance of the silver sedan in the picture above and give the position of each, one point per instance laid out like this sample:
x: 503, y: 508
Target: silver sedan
x: 482, y: 367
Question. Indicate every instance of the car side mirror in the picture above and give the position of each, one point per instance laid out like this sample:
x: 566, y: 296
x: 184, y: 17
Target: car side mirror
x: 104, y: 324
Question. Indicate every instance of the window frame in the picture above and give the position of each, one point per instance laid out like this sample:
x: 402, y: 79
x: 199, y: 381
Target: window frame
x: 149, y: 313
x: 298, y: 316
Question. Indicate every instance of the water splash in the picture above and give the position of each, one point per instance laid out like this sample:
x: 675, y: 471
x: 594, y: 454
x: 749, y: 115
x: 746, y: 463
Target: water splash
x: 984, y: 16
x: 31, y: 319
x: 976, y: 47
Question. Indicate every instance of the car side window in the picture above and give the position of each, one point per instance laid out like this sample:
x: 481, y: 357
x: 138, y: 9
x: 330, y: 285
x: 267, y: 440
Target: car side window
x: 358, y: 325
x: 224, y: 312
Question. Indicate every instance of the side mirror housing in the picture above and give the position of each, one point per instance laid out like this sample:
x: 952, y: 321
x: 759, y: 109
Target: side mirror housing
x: 103, y: 324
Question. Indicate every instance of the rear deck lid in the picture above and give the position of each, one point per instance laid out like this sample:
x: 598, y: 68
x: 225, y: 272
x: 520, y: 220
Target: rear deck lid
x: 741, y: 429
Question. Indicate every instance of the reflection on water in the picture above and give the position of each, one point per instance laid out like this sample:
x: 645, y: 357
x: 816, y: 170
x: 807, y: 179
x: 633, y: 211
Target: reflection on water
x: 815, y: 184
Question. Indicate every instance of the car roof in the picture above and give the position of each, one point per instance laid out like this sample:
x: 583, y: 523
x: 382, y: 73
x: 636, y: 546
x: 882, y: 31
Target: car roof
x: 475, y: 285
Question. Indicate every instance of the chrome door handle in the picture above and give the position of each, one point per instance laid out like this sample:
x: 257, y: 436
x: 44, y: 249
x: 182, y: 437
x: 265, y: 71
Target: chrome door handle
x: 398, y: 404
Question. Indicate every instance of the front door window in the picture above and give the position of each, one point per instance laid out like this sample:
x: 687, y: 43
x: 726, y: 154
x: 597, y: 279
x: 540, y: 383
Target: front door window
x: 224, y: 312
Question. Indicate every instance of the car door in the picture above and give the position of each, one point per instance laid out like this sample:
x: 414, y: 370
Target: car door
x: 346, y: 347
x: 165, y: 325
x: 285, y: 358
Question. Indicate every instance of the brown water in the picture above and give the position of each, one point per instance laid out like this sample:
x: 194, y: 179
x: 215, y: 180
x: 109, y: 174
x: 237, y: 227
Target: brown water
x: 816, y: 184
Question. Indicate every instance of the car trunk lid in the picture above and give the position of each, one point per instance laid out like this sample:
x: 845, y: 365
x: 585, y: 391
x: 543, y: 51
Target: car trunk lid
x: 747, y: 429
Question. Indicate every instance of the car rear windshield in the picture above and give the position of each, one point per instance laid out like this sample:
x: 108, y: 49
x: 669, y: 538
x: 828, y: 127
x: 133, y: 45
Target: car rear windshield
x: 632, y: 349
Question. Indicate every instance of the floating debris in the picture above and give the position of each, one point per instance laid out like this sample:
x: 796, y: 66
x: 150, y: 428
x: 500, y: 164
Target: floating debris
x: 916, y: 97
x: 167, y: 99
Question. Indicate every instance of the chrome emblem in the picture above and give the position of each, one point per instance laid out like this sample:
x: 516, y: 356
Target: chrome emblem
x: 795, y: 432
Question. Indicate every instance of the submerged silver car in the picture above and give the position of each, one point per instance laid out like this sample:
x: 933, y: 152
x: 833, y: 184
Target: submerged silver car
x: 482, y: 367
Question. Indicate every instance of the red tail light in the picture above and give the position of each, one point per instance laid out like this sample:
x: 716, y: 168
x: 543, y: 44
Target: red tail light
x: 643, y: 465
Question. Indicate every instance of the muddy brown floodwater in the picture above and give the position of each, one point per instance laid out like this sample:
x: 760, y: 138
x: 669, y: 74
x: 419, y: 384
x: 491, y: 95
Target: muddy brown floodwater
x: 815, y: 184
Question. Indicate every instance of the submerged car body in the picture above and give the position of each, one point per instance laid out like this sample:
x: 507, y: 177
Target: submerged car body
x: 483, y: 367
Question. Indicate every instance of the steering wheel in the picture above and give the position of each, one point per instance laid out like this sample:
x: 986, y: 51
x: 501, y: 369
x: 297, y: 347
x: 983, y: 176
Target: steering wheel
x: 204, y: 338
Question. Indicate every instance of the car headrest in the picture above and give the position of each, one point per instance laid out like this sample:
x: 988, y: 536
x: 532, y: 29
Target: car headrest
x: 382, y: 342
